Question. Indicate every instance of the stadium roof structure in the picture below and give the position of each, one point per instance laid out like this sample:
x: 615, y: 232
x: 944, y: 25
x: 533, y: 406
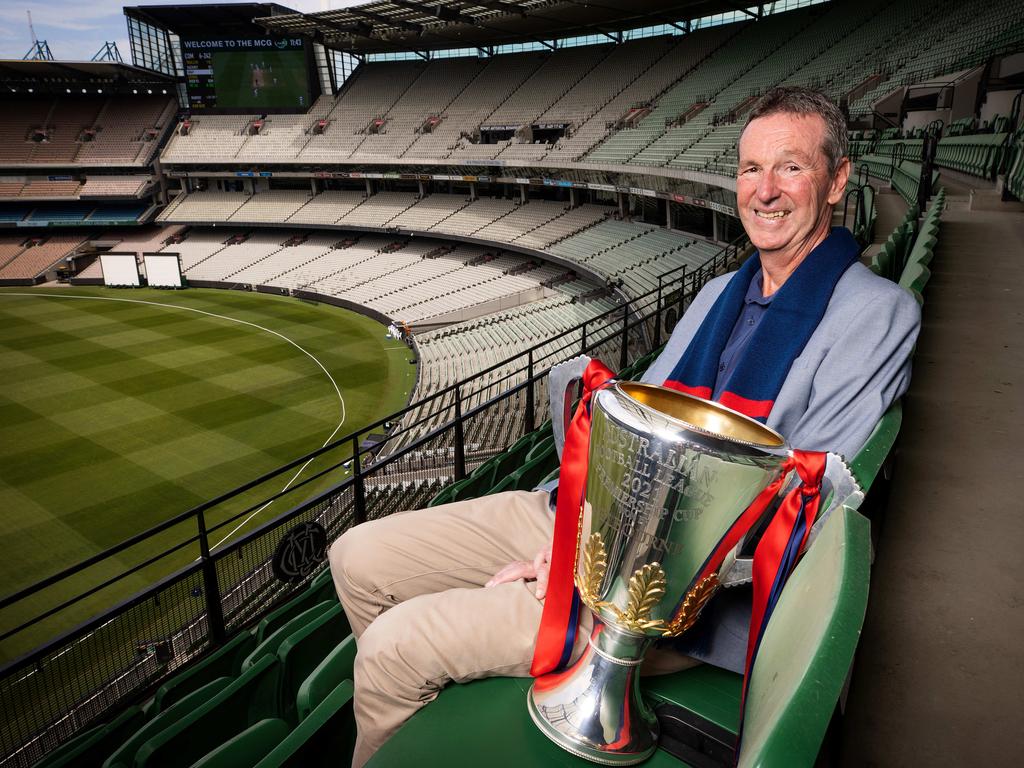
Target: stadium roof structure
x: 48, y: 75
x: 403, y: 25
x: 208, y: 20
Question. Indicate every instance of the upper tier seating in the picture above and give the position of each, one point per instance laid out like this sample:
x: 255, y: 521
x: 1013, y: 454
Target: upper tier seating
x: 113, y: 186
x: 685, y: 97
x: 91, y: 187
x: 84, y: 130
x: 534, y: 224
x: 952, y: 36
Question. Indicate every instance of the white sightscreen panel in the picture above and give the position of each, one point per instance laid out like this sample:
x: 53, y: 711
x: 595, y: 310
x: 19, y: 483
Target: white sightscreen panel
x: 163, y: 270
x: 119, y: 269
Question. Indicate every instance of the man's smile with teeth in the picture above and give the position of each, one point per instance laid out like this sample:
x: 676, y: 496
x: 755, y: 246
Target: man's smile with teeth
x: 771, y: 214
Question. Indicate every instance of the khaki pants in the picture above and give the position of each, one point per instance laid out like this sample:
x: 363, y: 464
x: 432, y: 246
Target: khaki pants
x: 411, y: 585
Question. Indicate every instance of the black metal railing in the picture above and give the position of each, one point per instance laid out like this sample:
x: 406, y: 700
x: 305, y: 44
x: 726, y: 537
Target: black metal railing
x: 180, y: 588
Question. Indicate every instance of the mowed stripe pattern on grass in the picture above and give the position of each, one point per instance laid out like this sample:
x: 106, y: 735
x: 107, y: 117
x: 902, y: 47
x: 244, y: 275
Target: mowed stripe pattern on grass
x: 115, y: 416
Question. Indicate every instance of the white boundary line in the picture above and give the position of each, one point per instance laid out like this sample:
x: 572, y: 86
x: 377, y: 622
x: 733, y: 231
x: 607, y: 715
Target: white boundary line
x: 304, y: 351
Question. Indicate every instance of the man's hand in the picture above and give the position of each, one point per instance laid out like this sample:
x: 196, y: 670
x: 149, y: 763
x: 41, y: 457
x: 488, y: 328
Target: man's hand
x: 538, y: 571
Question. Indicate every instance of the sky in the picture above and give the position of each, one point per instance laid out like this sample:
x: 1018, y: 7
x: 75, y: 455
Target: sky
x: 77, y: 29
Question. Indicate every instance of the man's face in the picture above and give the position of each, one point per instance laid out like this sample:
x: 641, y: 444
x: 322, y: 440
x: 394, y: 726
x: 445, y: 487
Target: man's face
x: 784, y: 190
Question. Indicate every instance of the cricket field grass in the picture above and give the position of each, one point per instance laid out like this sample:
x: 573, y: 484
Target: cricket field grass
x: 122, y: 408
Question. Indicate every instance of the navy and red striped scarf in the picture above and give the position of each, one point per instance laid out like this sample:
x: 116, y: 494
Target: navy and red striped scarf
x: 780, y: 337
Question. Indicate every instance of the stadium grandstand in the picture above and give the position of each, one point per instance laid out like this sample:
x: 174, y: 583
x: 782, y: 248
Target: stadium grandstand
x: 289, y: 272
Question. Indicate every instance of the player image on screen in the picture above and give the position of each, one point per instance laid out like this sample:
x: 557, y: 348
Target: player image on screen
x: 260, y: 79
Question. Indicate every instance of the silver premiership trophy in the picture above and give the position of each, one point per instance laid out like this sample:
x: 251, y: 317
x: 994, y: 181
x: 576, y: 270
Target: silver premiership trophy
x: 668, y: 476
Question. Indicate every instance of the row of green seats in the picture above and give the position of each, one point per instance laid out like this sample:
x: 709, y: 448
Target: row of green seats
x: 916, y: 273
x: 1015, y: 166
x: 511, y: 462
x: 529, y: 462
x: 982, y: 154
x: 907, y: 177
x: 268, y: 695
x: 893, y: 255
x: 878, y: 166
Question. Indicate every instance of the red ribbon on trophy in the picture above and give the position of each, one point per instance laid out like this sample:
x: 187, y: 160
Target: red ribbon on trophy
x: 557, y: 633
x: 777, y: 553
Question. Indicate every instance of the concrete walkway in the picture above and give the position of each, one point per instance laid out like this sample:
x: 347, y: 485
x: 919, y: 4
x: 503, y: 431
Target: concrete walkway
x: 939, y: 674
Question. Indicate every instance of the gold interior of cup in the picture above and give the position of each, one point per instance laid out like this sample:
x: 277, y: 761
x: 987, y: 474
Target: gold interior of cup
x: 705, y: 415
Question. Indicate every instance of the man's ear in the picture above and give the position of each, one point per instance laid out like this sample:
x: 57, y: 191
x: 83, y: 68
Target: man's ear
x: 839, y: 179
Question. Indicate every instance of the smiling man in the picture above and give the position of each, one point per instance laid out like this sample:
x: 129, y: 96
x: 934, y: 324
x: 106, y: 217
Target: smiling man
x: 803, y: 337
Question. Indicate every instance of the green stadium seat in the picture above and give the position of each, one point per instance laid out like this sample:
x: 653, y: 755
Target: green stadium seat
x: 915, y: 277
x: 531, y: 474
x: 250, y: 698
x: 476, y: 485
x: 248, y: 747
x: 251, y: 715
x: 807, y: 649
x: 302, y: 652
x: 320, y: 589
x: 711, y: 692
x: 335, y: 667
x: 541, y: 448
x: 124, y: 753
x: 226, y: 661
x: 269, y: 645
x: 90, y: 747
x: 326, y: 723
x: 869, y: 460
x: 448, y: 493
x: 325, y: 737
x: 801, y: 668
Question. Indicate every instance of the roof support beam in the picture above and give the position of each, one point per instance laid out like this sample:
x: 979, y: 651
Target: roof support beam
x: 743, y: 9
x: 442, y: 12
x: 384, y: 20
x: 361, y: 30
x: 499, y: 5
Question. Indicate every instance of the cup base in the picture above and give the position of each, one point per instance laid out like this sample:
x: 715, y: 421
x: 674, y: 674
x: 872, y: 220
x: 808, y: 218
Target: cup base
x: 594, y: 709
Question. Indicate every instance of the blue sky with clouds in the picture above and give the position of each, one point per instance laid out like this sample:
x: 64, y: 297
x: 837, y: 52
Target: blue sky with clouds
x: 77, y: 29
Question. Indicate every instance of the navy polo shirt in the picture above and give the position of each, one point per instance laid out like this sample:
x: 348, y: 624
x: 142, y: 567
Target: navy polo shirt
x: 754, y: 307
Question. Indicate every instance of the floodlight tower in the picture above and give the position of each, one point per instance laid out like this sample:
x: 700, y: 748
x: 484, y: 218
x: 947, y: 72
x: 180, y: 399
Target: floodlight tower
x: 108, y: 52
x: 40, y: 50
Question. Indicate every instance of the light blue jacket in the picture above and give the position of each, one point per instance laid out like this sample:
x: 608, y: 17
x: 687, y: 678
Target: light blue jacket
x: 852, y: 368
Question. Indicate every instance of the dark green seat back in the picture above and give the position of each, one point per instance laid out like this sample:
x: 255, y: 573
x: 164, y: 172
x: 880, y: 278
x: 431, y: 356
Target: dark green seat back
x: 319, y: 590
x: 303, y: 650
x: 869, y: 460
x: 252, y: 697
x: 90, y: 747
x: 333, y: 669
x: 123, y: 755
x: 248, y: 747
x: 269, y: 646
x: 226, y: 661
x: 807, y: 649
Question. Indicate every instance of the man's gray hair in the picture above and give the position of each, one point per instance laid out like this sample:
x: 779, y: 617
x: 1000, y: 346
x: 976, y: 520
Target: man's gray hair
x: 797, y: 100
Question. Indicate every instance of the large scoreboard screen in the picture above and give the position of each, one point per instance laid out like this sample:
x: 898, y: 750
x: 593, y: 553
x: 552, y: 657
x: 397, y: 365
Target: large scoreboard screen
x: 257, y: 73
